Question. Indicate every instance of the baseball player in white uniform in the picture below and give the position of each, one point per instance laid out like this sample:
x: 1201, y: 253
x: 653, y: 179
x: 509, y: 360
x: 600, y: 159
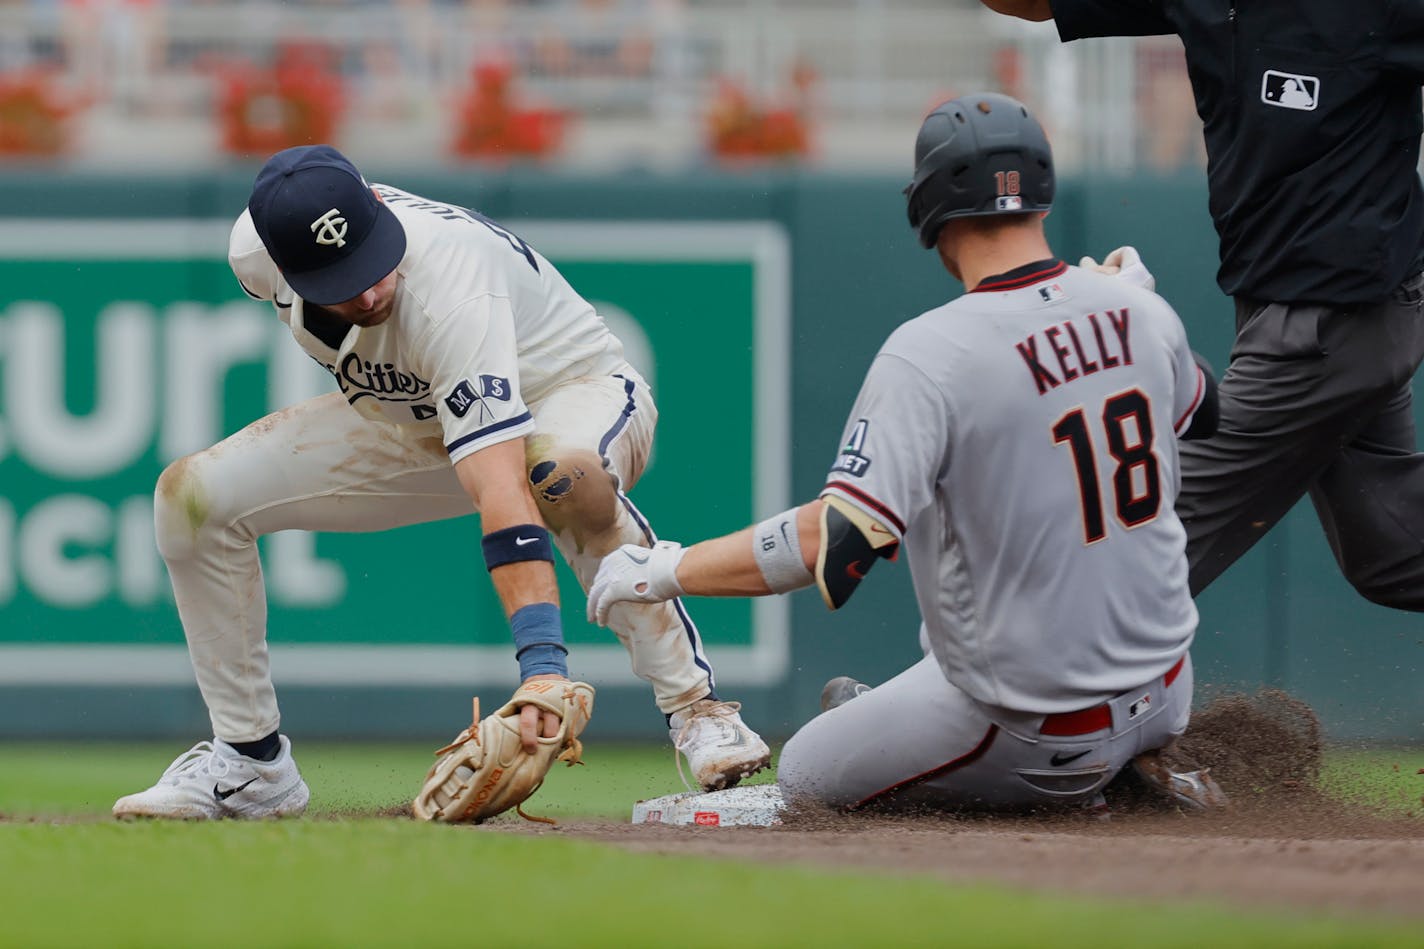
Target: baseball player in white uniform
x: 1020, y: 443
x: 471, y: 377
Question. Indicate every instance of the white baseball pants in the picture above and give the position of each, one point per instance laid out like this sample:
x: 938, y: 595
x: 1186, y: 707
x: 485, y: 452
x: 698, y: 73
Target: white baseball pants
x: 320, y: 466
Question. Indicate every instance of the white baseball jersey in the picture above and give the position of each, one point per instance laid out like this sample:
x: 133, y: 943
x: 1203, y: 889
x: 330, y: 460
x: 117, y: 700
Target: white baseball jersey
x: 1022, y: 441
x: 482, y: 325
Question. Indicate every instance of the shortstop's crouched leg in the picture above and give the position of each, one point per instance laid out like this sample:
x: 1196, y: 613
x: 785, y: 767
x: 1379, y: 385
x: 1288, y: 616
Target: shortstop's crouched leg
x: 591, y: 444
x: 315, y: 466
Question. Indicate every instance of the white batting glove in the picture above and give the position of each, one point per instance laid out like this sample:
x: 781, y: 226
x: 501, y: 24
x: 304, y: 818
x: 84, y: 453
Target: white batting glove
x: 1125, y: 264
x: 637, y: 574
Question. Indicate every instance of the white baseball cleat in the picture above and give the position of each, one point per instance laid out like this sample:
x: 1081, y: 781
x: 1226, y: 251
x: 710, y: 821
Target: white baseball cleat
x: 1192, y: 790
x: 719, y: 747
x: 211, y: 781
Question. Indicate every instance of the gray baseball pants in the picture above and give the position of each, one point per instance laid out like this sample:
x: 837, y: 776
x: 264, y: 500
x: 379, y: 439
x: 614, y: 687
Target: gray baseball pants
x: 921, y: 741
x: 1317, y: 399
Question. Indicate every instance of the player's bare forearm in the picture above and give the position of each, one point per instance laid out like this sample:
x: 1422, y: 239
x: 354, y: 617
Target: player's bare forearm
x: 1034, y: 10
x: 727, y: 566
x: 495, y: 480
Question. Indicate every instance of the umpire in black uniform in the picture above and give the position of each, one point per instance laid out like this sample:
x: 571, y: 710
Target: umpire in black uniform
x: 1312, y: 122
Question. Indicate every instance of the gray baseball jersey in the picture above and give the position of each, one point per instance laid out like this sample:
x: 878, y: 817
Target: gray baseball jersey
x: 1021, y: 441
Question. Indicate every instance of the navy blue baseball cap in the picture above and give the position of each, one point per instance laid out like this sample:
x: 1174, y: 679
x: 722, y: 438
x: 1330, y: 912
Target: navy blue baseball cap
x: 328, y: 233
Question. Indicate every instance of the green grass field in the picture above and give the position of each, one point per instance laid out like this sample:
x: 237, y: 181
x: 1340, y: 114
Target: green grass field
x: 70, y: 877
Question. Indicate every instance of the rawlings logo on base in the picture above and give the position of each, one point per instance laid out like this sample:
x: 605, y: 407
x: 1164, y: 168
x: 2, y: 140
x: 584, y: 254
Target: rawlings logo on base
x: 707, y: 818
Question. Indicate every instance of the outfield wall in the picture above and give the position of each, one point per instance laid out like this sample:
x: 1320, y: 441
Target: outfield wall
x: 754, y: 302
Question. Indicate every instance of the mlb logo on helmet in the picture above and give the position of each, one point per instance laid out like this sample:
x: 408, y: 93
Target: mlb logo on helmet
x: 323, y: 226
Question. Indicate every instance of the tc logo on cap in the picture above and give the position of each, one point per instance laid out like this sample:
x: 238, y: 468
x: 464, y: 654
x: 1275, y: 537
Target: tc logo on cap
x: 323, y: 226
x: 330, y: 229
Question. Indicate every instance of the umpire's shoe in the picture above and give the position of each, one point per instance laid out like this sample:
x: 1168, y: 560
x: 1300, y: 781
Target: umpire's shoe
x: 211, y: 780
x: 841, y: 690
x: 719, y: 747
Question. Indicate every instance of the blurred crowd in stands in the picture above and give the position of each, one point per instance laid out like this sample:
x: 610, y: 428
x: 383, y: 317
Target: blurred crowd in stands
x: 509, y: 79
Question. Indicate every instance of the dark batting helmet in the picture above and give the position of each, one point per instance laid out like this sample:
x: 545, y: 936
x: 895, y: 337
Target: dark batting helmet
x: 977, y: 155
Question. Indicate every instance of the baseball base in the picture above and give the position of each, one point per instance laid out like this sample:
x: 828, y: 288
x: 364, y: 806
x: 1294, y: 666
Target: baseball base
x: 756, y: 806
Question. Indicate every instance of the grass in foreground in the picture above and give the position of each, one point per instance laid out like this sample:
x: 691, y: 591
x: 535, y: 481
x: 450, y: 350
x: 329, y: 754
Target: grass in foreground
x: 82, y: 880
x: 1391, y: 779
x: 383, y: 882
x: 74, y: 780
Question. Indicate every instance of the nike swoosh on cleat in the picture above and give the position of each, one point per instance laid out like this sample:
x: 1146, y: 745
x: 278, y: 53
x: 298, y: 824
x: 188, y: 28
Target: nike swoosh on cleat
x: 1059, y: 758
x: 222, y: 795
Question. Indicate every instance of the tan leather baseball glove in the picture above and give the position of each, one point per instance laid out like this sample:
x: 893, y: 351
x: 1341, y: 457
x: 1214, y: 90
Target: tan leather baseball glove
x: 486, y: 771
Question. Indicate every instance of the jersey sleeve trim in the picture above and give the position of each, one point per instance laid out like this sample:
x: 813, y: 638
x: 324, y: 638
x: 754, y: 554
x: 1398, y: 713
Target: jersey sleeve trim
x: 1185, y: 421
x: 521, y: 422
x: 869, y: 504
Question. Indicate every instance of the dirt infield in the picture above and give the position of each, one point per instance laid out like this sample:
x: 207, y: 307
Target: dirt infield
x: 1281, y: 844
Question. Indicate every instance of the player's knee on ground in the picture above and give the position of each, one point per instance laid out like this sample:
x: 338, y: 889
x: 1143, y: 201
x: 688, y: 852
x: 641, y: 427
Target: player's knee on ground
x: 802, y: 774
x: 183, y: 505
x: 571, y: 488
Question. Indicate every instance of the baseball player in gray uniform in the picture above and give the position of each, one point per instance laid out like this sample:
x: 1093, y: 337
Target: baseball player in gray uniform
x: 472, y: 378
x: 1020, y: 443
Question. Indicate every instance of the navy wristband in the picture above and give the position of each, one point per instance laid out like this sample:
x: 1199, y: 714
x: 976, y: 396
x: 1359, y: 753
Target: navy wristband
x: 515, y: 544
x: 539, y: 641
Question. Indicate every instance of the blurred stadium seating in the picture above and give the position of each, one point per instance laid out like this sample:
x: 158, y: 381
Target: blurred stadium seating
x: 159, y: 84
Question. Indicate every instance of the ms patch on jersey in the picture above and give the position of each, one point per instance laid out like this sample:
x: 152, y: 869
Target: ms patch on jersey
x: 494, y: 387
x: 852, y: 460
x: 462, y: 399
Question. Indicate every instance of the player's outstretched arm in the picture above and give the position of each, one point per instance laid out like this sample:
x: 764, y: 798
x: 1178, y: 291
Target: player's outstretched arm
x: 519, y: 554
x: 729, y: 565
x: 1034, y: 10
x: 775, y: 556
x: 828, y: 542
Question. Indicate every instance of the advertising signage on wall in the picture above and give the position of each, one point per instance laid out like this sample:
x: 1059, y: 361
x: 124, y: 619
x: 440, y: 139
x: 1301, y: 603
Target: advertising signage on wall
x: 127, y: 344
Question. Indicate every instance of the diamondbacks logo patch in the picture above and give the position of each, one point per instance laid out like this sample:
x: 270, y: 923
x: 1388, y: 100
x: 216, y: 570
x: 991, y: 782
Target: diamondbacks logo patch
x: 1290, y: 90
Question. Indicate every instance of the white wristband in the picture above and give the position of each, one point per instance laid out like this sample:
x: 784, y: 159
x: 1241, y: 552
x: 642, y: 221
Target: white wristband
x: 777, y: 546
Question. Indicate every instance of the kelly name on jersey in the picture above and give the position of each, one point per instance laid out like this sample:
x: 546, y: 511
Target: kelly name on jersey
x: 1077, y: 347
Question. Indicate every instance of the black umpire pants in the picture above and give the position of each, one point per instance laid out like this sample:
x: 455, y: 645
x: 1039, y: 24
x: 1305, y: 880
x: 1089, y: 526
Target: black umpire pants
x: 1317, y: 399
